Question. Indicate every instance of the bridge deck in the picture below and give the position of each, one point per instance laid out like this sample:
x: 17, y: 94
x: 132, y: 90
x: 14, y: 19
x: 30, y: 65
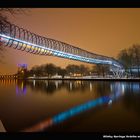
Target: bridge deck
x: 21, y: 39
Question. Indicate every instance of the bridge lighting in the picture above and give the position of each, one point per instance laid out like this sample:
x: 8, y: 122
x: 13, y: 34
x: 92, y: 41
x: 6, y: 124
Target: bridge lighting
x: 78, y: 109
x: 41, y: 49
x: 55, y: 53
x: 48, y: 52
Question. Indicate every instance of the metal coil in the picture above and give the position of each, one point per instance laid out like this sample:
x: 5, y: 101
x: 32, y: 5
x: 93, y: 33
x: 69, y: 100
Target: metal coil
x: 24, y: 40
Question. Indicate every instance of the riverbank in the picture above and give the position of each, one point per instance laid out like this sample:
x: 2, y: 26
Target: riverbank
x: 2, y: 129
x: 76, y: 78
x: 87, y: 79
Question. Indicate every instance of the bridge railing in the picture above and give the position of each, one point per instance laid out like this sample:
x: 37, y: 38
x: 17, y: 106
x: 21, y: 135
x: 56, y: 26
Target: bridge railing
x: 21, y: 39
x: 8, y: 77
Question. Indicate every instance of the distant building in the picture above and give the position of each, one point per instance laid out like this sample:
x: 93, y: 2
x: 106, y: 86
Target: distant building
x: 135, y: 70
x: 22, y: 71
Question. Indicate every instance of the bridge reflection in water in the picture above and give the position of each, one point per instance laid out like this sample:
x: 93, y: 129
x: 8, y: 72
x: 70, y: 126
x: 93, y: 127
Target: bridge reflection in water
x: 68, y: 114
x: 117, y: 90
x: 114, y: 89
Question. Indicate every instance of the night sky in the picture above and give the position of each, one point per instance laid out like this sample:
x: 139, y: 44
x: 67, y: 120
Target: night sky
x: 99, y: 30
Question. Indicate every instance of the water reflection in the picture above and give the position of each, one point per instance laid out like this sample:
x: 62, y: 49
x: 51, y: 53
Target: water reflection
x: 105, y: 93
x: 68, y: 114
x: 115, y: 90
x: 21, y: 87
x: 45, y: 86
x: 7, y: 82
x: 51, y: 86
x: 132, y: 100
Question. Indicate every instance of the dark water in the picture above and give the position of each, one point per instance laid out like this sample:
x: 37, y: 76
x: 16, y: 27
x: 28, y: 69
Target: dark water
x: 70, y: 106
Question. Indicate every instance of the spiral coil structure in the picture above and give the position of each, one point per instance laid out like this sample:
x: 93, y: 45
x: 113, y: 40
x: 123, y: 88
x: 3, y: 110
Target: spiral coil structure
x: 24, y: 40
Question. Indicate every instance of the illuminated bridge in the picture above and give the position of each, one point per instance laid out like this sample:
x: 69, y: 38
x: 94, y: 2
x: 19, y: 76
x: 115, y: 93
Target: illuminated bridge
x: 8, y: 77
x: 24, y: 40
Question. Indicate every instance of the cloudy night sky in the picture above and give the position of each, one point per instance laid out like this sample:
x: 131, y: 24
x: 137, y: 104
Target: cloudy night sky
x: 99, y: 30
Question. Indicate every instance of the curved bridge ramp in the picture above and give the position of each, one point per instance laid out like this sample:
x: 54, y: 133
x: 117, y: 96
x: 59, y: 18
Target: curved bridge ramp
x: 24, y: 40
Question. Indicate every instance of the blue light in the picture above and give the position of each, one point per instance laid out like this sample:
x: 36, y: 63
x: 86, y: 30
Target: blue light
x: 62, y: 54
x: 78, y: 109
x: 136, y: 87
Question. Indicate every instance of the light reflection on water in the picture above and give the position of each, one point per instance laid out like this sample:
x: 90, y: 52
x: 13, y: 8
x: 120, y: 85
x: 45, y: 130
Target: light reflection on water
x: 21, y: 88
x: 71, y: 86
x: 68, y: 114
x: 106, y: 93
x: 118, y: 89
x: 52, y: 86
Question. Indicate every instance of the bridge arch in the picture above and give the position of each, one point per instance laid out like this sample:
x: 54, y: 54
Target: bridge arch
x: 21, y: 39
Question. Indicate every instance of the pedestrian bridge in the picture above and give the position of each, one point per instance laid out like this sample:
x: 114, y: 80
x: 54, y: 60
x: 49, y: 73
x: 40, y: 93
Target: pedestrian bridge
x: 24, y: 40
x: 8, y: 77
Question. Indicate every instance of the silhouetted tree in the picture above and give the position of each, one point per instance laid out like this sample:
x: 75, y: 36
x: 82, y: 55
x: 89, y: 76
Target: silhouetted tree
x: 61, y: 71
x: 50, y: 69
x: 130, y: 57
x: 101, y: 70
x: 135, y: 54
x: 72, y: 69
x: 83, y: 70
x: 75, y: 69
x: 4, y: 17
x: 125, y: 58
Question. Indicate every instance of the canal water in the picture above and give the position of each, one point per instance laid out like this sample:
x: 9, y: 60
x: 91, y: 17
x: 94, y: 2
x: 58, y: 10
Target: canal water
x: 70, y: 106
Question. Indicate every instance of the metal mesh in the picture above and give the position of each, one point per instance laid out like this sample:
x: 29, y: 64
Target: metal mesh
x: 21, y: 39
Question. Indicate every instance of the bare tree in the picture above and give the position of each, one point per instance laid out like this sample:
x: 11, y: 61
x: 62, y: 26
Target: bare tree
x: 101, y: 70
x: 6, y: 12
x: 4, y: 17
x: 130, y: 58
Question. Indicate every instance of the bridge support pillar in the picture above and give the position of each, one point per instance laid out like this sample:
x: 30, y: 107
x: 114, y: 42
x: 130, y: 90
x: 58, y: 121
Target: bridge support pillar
x: 118, y: 73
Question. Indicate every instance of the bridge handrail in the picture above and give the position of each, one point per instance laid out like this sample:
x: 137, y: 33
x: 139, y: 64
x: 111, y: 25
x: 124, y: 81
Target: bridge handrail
x: 23, y: 39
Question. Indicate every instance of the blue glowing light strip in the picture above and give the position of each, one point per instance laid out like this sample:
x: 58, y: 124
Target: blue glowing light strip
x: 86, y: 106
x: 78, y: 109
x: 75, y: 111
x: 68, y: 114
x: 63, y: 54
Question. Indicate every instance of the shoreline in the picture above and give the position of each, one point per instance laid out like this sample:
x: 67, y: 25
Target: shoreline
x: 2, y: 128
x: 74, y: 79
x: 88, y: 79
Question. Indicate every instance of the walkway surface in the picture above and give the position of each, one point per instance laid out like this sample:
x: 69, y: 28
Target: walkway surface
x: 2, y: 129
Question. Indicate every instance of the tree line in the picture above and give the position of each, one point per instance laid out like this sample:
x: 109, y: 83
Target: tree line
x: 50, y: 70
x: 130, y: 59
